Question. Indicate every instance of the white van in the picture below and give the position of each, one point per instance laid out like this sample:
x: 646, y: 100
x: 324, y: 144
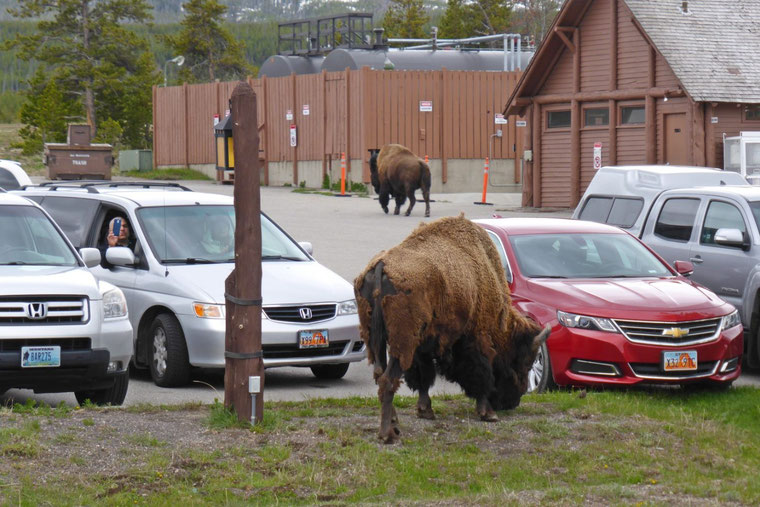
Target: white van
x: 622, y: 195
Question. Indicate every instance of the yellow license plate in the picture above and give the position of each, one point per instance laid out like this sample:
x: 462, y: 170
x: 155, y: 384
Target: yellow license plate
x: 313, y: 339
x: 682, y: 360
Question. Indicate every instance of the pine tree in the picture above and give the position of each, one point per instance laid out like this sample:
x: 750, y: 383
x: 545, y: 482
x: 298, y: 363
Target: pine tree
x: 88, y: 54
x: 209, y: 49
x: 405, y: 19
x: 471, y: 19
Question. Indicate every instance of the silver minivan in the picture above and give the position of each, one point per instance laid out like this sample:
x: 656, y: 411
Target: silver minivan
x: 173, y: 275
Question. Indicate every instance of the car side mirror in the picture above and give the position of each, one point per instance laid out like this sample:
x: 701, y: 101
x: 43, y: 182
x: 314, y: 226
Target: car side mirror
x: 307, y: 246
x: 90, y: 256
x: 120, y: 256
x: 731, y: 237
x: 684, y: 268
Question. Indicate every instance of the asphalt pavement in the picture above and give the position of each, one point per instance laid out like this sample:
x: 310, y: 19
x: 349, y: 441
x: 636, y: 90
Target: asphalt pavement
x: 346, y: 232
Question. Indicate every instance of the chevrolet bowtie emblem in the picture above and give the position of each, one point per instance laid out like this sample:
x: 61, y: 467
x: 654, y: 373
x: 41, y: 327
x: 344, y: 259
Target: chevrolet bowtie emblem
x: 675, y: 332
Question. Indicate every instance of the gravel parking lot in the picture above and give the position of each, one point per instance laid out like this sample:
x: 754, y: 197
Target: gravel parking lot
x: 346, y: 232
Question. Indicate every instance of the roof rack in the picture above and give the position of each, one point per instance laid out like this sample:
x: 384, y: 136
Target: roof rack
x: 90, y: 185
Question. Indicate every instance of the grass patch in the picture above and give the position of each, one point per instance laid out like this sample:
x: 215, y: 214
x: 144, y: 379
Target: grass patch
x: 167, y: 174
x: 607, y: 447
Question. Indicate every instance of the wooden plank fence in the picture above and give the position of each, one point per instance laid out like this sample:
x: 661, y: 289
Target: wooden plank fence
x: 442, y: 114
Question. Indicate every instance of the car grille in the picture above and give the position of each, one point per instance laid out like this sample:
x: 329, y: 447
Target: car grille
x: 15, y: 310
x: 293, y: 313
x: 64, y: 343
x: 654, y: 371
x: 292, y: 351
x: 671, y: 333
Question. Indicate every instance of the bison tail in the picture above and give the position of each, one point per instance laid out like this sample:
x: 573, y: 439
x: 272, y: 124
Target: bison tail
x: 378, y: 333
x: 425, y: 177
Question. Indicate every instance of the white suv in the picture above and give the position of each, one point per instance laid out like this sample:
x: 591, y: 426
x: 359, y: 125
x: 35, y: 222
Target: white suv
x: 61, y: 329
x: 173, y: 271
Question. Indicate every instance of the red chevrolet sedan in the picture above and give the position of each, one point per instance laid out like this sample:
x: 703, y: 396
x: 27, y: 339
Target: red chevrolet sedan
x: 619, y: 313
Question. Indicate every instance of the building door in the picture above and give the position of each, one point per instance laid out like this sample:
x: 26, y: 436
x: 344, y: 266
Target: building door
x: 675, y: 139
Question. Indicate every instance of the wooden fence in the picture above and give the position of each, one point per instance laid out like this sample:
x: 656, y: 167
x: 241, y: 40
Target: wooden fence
x: 442, y: 114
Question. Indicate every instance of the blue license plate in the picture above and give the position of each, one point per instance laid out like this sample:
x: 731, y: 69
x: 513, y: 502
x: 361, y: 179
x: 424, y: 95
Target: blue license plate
x: 313, y: 339
x: 681, y: 360
x: 41, y: 357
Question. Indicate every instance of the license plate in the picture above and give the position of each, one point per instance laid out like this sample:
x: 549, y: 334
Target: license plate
x: 313, y: 339
x: 684, y: 360
x: 41, y: 357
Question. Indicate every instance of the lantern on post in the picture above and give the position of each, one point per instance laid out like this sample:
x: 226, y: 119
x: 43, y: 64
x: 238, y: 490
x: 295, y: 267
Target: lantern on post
x: 225, y: 157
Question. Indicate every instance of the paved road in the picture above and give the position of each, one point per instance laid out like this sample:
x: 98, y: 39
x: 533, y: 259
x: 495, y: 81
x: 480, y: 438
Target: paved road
x: 346, y: 233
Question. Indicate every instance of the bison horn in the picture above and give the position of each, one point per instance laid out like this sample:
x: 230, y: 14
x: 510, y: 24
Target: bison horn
x: 542, y: 336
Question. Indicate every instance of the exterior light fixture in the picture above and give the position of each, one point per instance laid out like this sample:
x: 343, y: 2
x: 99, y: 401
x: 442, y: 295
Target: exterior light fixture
x: 178, y: 60
x: 225, y: 157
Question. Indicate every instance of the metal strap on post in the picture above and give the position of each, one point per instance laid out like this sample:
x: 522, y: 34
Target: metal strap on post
x: 243, y: 355
x: 242, y: 302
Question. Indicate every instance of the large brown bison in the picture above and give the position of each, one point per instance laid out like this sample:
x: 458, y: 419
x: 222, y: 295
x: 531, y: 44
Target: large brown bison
x: 396, y: 171
x: 439, y: 303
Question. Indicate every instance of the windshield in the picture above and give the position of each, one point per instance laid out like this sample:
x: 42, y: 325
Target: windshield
x: 27, y: 236
x: 585, y: 256
x: 206, y: 234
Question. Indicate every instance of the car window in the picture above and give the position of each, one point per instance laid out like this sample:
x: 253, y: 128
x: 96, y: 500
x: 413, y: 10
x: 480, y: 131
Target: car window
x: 676, y: 220
x: 29, y: 237
x: 72, y: 214
x: 502, y: 255
x: 720, y: 215
x: 7, y: 180
x: 585, y: 256
x: 619, y: 211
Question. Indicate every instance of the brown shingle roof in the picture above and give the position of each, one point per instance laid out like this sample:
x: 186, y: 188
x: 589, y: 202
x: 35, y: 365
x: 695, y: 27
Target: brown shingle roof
x: 713, y: 48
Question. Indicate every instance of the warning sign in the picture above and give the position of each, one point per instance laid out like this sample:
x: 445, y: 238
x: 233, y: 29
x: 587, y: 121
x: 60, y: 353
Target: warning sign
x: 597, y: 156
x: 499, y: 119
x: 426, y: 106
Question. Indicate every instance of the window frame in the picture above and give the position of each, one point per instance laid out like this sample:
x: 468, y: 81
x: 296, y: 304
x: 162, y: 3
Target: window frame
x: 567, y: 110
x: 703, y: 221
x: 634, y: 105
x: 745, y: 110
x: 588, y: 108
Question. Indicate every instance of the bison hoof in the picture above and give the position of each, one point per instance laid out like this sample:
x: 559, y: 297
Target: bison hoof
x: 385, y: 208
x: 391, y: 437
x: 489, y: 417
x: 427, y: 213
x: 425, y: 413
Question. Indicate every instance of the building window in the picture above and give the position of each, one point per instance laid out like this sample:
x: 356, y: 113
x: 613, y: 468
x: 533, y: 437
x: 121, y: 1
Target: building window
x: 752, y: 113
x: 558, y: 119
x: 632, y: 115
x: 596, y: 117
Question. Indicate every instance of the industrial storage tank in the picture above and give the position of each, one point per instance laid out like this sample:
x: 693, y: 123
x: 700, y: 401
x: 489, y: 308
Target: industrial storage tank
x: 285, y: 65
x: 421, y: 59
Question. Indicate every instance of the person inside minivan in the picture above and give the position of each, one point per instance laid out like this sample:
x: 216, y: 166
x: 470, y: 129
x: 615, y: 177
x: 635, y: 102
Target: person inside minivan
x: 119, y: 233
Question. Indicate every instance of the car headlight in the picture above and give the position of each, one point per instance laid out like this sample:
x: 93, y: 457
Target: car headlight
x: 208, y: 311
x: 584, y: 322
x: 114, y: 302
x: 731, y: 320
x: 347, y: 307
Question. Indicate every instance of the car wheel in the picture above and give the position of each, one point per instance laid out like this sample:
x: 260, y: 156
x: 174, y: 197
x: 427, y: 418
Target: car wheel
x: 330, y: 371
x: 169, y: 365
x: 114, y: 395
x: 540, y: 377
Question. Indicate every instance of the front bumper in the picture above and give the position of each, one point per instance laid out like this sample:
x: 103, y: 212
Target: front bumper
x: 205, y: 340
x: 584, y: 357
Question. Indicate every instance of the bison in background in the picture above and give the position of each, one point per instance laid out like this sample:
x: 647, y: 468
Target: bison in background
x: 439, y: 303
x: 396, y: 171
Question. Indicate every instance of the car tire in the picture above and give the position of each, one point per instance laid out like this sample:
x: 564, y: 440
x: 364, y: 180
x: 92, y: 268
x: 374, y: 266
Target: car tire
x: 169, y: 365
x: 330, y: 371
x: 114, y: 395
x: 540, y: 378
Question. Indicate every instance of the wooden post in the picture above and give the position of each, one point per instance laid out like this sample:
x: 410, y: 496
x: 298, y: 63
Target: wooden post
x: 294, y: 122
x: 243, y: 356
x: 537, y: 128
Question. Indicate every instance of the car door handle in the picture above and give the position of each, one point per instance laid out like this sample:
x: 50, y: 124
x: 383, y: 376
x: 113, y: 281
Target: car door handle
x: 696, y: 260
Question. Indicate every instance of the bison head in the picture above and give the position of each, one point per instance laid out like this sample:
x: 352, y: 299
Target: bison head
x: 373, y: 174
x: 511, y: 370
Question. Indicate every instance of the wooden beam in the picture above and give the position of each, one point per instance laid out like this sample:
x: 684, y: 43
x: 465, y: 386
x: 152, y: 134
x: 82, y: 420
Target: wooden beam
x: 295, y: 115
x: 564, y: 38
x: 698, y: 134
x: 650, y: 130
x: 613, y: 44
x: 242, y: 343
x: 710, y: 155
x: 577, y: 61
x: 537, y: 111
x: 527, y: 175
x: 640, y: 94
x: 612, y: 147
x: 575, y: 153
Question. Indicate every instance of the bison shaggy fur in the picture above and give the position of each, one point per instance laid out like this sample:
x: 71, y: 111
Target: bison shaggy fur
x: 439, y: 303
x: 396, y: 171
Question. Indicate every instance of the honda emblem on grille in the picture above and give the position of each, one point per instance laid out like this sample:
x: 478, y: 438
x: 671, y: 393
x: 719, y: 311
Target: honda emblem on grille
x: 305, y: 313
x: 675, y: 332
x: 36, y: 311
